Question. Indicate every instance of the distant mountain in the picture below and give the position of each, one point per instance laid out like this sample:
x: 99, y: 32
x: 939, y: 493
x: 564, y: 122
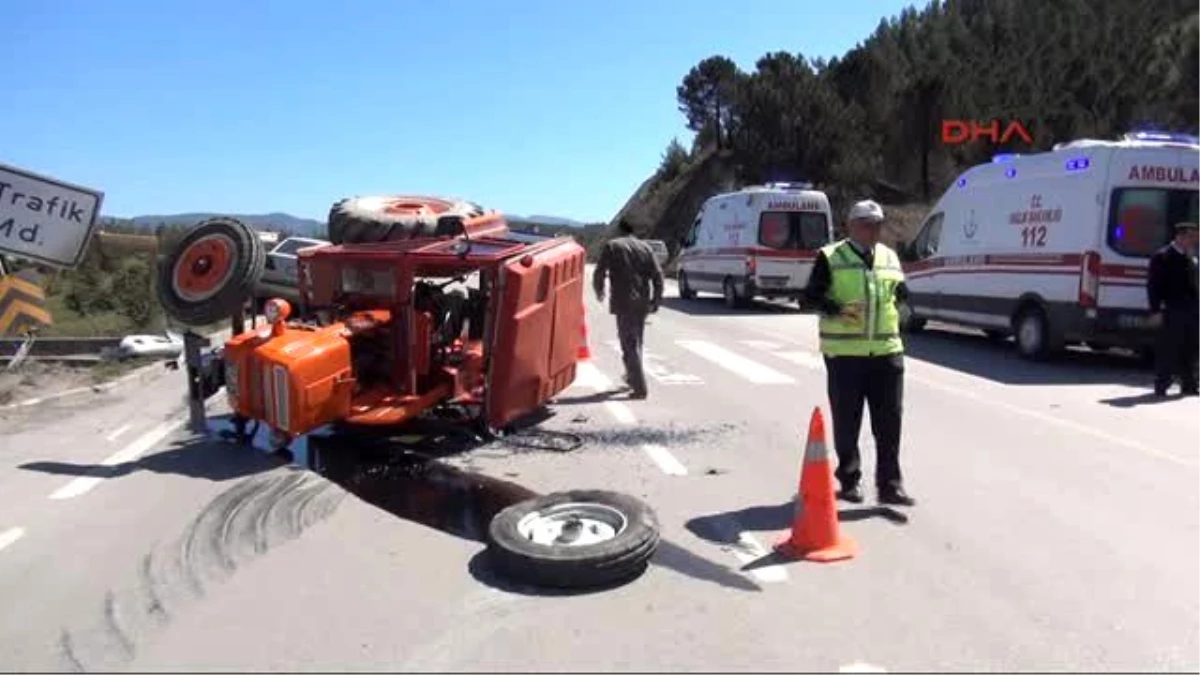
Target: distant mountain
x: 307, y: 227
x: 269, y: 221
x: 547, y: 220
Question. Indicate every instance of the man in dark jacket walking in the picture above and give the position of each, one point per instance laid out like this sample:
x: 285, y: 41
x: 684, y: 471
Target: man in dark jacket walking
x: 1175, y: 311
x: 636, y: 279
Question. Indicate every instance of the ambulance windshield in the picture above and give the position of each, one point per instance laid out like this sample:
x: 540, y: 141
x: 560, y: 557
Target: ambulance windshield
x: 1141, y: 220
x: 793, y: 230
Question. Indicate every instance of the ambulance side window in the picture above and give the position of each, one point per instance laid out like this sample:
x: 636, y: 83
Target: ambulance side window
x: 692, y: 233
x: 1141, y: 220
x: 928, y: 239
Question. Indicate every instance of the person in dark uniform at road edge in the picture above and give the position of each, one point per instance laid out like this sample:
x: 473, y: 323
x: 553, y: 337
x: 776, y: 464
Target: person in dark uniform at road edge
x: 857, y: 286
x: 636, y: 281
x: 1175, y: 311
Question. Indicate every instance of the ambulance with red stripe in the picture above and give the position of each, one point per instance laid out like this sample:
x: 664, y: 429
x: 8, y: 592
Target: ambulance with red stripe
x: 1052, y: 248
x: 760, y: 241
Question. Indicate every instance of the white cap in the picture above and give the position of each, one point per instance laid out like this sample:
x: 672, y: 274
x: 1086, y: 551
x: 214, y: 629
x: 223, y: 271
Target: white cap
x: 866, y: 210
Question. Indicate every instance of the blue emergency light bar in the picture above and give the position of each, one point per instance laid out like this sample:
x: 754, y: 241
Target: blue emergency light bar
x: 1162, y: 137
x: 790, y: 186
x: 1004, y: 157
x: 1078, y: 164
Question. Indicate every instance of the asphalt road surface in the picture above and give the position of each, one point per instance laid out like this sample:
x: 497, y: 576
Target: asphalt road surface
x: 1057, y: 527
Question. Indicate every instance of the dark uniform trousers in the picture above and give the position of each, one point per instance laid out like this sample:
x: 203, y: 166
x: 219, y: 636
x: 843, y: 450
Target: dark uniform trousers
x: 631, y: 330
x: 1177, y: 349
x: 879, y: 382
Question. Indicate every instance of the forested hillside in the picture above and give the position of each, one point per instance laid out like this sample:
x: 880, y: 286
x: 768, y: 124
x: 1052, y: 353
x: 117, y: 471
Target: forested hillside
x: 869, y: 122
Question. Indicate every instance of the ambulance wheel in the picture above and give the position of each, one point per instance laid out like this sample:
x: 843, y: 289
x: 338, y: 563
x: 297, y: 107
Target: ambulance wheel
x: 732, y: 299
x: 211, y: 274
x: 685, y: 290
x: 1034, y: 338
x: 574, y: 539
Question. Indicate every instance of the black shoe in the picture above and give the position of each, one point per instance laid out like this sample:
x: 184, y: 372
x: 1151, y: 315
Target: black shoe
x: 895, y: 496
x: 852, y: 493
x: 638, y: 395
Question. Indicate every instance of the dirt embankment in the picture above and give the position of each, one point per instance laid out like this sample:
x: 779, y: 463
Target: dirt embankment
x: 666, y: 209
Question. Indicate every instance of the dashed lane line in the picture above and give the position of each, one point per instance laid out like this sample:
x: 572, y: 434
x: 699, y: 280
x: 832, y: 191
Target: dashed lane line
x: 10, y: 536
x: 587, y: 374
x: 129, y: 453
x: 116, y: 433
x: 664, y: 459
x: 735, y: 363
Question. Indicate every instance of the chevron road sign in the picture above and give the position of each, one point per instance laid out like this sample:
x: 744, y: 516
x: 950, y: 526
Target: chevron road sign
x: 22, y: 303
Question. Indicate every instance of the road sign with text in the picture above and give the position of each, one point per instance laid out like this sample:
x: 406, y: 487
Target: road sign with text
x: 45, y: 219
x: 22, y: 303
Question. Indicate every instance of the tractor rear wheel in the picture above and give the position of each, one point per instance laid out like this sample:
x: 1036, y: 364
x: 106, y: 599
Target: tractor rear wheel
x: 363, y: 220
x: 211, y: 273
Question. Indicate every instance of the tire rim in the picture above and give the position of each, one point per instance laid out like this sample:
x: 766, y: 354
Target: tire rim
x: 1031, y: 335
x: 204, y: 269
x: 730, y: 296
x: 572, y: 524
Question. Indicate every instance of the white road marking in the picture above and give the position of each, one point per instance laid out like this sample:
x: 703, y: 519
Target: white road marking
x: 665, y: 460
x: 806, y: 359
x: 112, y: 436
x: 860, y: 667
x: 753, y: 371
x: 136, y: 449
x: 621, y: 411
x: 10, y: 536
x: 995, y: 402
x: 656, y: 368
x: 747, y: 550
x: 801, y: 358
x: 588, y: 375
x: 1077, y: 427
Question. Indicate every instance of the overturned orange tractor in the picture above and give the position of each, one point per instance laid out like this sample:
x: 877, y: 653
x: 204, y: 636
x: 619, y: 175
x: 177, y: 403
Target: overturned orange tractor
x: 416, y: 305
x: 423, y: 302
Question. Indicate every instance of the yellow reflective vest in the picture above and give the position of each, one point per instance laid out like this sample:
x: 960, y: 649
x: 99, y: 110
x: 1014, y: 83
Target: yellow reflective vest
x: 876, y: 332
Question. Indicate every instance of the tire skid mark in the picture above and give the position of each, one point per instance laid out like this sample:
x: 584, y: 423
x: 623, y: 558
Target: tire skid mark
x: 66, y: 648
x: 240, y: 524
x: 112, y: 624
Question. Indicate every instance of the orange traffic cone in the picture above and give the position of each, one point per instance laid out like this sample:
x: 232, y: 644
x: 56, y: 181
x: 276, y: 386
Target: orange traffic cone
x: 585, y: 352
x: 816, y: 534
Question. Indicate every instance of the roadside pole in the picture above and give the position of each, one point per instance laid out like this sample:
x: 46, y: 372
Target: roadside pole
x: 192, y: 344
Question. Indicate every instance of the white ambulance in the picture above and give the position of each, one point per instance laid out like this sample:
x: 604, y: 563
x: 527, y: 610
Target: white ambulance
x: 1052, y: 248
x: 757, y: 242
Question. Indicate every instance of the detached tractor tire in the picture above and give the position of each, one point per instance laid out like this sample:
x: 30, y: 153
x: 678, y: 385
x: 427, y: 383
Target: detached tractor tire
x: 364, y: 220
x: 211, y: 274
x: 573, y: 540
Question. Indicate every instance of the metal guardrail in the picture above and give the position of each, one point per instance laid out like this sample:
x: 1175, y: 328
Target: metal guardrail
x: 60, y: 346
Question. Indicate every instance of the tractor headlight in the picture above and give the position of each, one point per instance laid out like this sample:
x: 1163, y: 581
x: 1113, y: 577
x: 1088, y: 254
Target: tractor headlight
x: 277, y: 310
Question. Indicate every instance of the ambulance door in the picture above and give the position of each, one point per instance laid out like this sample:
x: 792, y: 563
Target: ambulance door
x: 691, y: 258
x: 921, y: 268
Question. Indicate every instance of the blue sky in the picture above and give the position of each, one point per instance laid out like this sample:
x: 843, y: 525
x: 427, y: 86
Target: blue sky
x: 273, y: 105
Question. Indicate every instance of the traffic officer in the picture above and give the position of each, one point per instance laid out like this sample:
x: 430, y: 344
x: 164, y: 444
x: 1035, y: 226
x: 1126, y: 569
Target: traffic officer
x: 856, y: 284
x: 637, y: 290
x: 1175, y: 311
